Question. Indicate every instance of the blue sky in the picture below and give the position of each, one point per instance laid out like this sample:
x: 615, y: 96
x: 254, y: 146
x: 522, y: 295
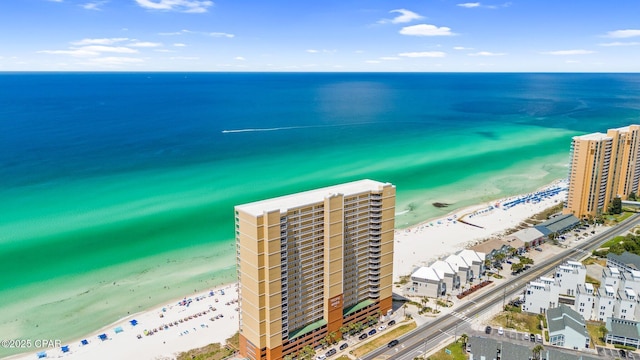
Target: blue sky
x: 330, y: 35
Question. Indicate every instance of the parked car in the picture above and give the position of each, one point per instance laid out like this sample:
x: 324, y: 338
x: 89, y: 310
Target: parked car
x: 330, y: 352
x: 487, y: 330
x: 344, y: 346
x: 382, y: 327
x: 532, y: 337
x: 320, y: 357
x: 623, y: 354
x: 538, y: 249
x: 539, y: 338
x: 500, y: 331
x: 392, y: 343
x: 391, y: 323
x: 372, y: 332
x: 362, y: 337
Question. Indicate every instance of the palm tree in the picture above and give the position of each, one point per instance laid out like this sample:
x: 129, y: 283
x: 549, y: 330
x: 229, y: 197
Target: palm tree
x: 464, y: 338
x: 344, y: 330
x: 404, y: 308
x: 536, y: 351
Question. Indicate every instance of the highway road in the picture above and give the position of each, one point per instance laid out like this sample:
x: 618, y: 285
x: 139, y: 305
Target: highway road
x: 457, y: 322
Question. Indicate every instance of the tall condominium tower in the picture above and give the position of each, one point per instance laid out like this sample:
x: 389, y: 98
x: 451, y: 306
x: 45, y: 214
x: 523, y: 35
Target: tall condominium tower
x: 603, y: 167
x: 625, y: 171
x: 311, y: 263
x: 589, y: 175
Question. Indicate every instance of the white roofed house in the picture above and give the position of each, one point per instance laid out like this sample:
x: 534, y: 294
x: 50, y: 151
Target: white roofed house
x: 626, y: 304
x: 612, y: 276
x: 475, y: 260
x: 426, y: 281
x: 605, y: 302
x: 540, y: 295
x: 630, y: 280
x: 569, y: 275
x: 458, y: 263
x: 585, y: 301
x: 450, y: 276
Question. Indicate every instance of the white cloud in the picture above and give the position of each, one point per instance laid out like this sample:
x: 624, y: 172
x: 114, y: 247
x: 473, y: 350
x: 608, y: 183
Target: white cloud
x: 486, y: 53
x: 221, y: 34
x: 163, y: 50
x: 461, y: 48
x: 74, y: 53
x: 114, y: 60
x: 58, y: 1
x: 572, y: 62
x: 618, y: 43
x: 109, y: 49
x: 389, y: 58
x: 185, y: 58
x: 404, y: 17
x: 623, y: 33
x: 186, y: 6
x: 240, y: 58
x: 372, y: 62
x: 479, y: 5
x: 569, y: 52
x: 179, y: 45
x: 312, y: 51
x: 95, y: 5
x: 426, y: 30
x: 102, y: 41
x: 470, y: 5
x: 145, y: 44
x: 422, y: 54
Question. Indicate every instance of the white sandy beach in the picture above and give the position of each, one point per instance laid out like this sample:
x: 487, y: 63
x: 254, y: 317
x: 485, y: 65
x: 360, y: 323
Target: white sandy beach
x: 415, y: 246
x: 191, y: 328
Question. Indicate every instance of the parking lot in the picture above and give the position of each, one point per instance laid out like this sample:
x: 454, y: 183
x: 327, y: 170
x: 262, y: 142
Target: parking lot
x: 615, y: 353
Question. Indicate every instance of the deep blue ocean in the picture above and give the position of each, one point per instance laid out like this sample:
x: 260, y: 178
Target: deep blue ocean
x: 113, y: 184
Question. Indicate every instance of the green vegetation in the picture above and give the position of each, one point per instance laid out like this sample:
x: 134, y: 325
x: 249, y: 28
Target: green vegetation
x: 620, y: 244
x: 544, y: 215
x: 384, y: 338
x: 594, y: 260
x: 594, y: 328
x: 592, y: 280
x: 519, y: 321
x: 616, y: 206
x: 212, y: 351
x: 457, y: 352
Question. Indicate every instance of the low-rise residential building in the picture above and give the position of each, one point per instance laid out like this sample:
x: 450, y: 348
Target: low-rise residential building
x: 450, y: 276
x: 460, y: 265
x: 567, y: 328
x: 625, y: 261
x: 611, y: 276
x: 491, y: 248
x: 426, y: 281
x: 569, y: 275
x: 623, y: 332
x: 626, y: 304
x: 540, y: 295
x: 585, y: 300
x: 630, y: 280
x: 475, y: 260
x: 605, y: 302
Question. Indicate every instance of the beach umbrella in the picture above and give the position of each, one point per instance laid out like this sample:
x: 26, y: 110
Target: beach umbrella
x: 65, y: 348
x: 102, y: 337
x: 84, y: 342
x: 118, y: 330
x: 42, y: 354
x: 134, y: 322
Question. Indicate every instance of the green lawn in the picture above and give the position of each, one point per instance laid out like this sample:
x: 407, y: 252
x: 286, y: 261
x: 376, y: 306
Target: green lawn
x: 457, y: 353
x: 593, y: 328
x: 519, y: 321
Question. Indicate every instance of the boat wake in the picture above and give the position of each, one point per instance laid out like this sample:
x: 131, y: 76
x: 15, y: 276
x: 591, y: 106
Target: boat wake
x: 292, y: 127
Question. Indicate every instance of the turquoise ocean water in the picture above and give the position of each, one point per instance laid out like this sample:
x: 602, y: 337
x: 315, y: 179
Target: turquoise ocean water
x: 117, y: 189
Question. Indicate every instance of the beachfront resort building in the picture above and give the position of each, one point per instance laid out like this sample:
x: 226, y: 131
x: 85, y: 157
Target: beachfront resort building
x: 602, y: 167
x: 311, y: 263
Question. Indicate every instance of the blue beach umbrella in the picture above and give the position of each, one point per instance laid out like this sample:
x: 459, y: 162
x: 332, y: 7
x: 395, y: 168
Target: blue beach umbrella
x: 65, y: 348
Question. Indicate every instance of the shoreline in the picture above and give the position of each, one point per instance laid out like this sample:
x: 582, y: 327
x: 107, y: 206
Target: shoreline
x: 448, y: 229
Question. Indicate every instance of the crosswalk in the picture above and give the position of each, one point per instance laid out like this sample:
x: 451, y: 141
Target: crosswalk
x: 461, y: 317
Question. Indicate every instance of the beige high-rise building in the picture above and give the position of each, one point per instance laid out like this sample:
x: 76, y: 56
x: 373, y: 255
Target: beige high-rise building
x: 625, y: 171
x: 603, y: 166
x: 311, y: 263
x: 589, y: 175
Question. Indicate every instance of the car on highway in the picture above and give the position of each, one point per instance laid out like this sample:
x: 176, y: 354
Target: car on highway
x: 382, y: 327
x: 321, y: 357
x: 392, y: 343
x: 391, y: 323
x: 362, y: 337
x: 372, y: 332
x: 487, y: 330
x: 330, y: 352
x: 344, y: 346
